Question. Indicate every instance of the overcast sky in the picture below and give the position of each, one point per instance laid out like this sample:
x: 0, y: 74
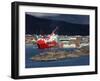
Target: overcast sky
x: 77, y: 19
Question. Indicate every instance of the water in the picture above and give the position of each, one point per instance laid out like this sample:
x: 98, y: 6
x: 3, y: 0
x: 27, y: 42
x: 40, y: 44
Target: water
x: 31, y: 51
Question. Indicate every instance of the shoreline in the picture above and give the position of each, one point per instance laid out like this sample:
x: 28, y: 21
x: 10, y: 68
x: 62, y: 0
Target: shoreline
x: 58, y: 55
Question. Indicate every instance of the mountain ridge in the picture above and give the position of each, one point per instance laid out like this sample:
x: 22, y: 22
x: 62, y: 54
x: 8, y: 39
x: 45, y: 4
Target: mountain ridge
x: 36, y: 25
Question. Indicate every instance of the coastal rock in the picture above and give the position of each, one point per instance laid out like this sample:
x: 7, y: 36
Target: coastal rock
x: 56, y: 55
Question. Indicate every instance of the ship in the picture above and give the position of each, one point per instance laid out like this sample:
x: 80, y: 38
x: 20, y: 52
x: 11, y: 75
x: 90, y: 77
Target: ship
x: 48, y: 41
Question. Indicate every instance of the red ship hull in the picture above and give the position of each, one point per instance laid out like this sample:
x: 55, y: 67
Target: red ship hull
x: 42, y: 44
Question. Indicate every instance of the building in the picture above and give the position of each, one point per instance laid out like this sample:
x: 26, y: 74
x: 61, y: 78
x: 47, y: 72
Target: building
x: 28, y: 38
x: 70, y: 41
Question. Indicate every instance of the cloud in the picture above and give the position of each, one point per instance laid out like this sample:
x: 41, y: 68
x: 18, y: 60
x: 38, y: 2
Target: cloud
x: 41, y: 14
x: 77, y: 19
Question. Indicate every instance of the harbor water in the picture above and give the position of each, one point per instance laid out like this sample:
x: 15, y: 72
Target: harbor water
x: 31, y: 50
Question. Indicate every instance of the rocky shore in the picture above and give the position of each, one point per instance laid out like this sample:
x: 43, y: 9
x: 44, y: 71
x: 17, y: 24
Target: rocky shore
x: 57, y: 55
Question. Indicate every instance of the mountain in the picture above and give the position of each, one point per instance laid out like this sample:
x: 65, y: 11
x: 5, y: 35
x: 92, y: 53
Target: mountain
x: 36, y: 25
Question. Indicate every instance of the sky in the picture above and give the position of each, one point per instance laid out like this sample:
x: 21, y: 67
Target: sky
x: 67, y: 23
x: 78, y: 19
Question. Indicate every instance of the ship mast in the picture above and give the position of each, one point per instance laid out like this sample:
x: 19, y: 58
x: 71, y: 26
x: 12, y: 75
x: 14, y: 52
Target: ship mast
x: 54, y: 30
